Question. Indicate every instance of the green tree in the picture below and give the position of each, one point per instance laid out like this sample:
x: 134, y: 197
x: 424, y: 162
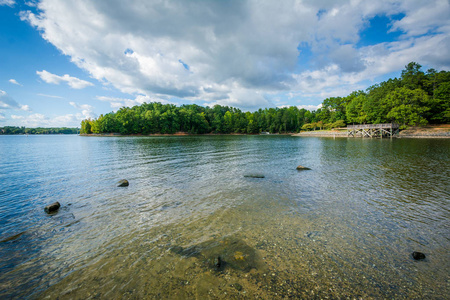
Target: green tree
x: 407, y: 107
x: 412, y: 76
x: 355, y: 110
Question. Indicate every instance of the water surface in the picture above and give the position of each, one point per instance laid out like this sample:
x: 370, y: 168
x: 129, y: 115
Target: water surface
x: 346, y: 228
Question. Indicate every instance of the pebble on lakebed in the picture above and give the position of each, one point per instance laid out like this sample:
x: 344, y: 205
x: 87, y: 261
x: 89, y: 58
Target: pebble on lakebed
x: 123, y: 182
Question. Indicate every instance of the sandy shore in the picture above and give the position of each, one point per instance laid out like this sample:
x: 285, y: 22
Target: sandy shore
x: 430, y: 131
x: 323, y: 133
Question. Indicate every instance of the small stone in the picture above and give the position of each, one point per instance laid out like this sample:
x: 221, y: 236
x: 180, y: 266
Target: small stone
x: 300, y: 168
x: 123, y: 182
x: 418, y: 255
x: 52, y: 207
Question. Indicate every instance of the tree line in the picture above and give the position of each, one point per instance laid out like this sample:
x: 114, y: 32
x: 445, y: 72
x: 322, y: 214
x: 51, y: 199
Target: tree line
x: 416, y: 98
x: 38, y: 130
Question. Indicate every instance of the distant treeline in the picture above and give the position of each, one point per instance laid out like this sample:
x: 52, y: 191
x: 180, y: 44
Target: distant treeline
x: 417, y: 98
x: 39, y: 130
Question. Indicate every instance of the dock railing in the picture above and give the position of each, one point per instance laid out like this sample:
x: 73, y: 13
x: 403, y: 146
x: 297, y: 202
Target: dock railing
x: 374, y: 126
x: 373, y: 130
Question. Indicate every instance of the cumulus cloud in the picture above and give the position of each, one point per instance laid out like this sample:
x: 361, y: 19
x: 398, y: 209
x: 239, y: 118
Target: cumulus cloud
x: 7, y: 102
x: 237, y: 52
x: 307, y: 107
x: 87, y: 111
x: 13, y: 81
x: 40, y: 120
x: 117, y: 103
x: 9, y: 3
x: 73, y: 82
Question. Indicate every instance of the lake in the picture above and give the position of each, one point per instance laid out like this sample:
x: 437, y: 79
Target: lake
x: 191, y: 225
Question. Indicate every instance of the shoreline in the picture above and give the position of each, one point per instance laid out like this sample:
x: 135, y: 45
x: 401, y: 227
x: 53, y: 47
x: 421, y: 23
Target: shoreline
x: 178, y: 134
x: 427, y: 132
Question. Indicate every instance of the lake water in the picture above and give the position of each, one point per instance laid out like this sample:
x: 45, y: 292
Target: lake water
x: 345, y: 228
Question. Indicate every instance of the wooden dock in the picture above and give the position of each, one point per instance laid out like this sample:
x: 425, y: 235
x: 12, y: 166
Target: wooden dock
x: 373, y: 130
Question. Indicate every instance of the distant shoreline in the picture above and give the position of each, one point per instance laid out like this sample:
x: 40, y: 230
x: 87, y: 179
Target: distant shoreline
x: 177, y: 134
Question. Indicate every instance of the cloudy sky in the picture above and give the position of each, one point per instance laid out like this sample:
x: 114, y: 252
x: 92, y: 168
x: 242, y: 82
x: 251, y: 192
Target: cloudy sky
x: 63, y: 61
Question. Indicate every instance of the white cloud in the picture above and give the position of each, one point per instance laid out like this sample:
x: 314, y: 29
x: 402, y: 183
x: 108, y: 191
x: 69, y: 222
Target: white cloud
x: 7, y: 102
x: 307, y: 107
x: 117, y: 103
x: 73, y: 82
x: 41, y: 120
x: 25, y: 107
x: 13, y: 81
x: 50, y: 96
x: 9, y: 3
x: 31, y: 3
x: 236, y: 53
x: 87, y: 111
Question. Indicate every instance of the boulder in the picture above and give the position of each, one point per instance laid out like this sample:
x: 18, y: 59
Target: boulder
x: 301, y: 168
x: 225, y: 253
x: 123, y: 182
x: 52, y: 207
x: 418, y: 255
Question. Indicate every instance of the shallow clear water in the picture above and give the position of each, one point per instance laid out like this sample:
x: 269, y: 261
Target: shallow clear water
x: 346, y: 228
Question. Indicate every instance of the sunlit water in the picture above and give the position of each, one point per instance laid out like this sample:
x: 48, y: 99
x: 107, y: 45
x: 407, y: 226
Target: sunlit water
x: 346, y: 228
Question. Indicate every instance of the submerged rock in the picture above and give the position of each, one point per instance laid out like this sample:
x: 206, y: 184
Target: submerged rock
x: 218, y: 262
x: 237, y: 286
x: 52, y: 207
x: 254, y: 175
x: 12, y: 238
x: 225, y: 253
x: 123, y: 182
x: 418, y: 255
x: 301, y: 168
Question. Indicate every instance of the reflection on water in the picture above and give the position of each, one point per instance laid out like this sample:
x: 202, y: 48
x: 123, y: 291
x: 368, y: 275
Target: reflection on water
x: 346, y: 228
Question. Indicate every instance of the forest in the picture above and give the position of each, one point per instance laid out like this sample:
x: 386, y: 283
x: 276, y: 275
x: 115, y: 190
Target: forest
x: 39, y: 130
x: 416, y: 98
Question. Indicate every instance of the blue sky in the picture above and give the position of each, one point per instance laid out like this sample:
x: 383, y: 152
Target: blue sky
x: 64, y: 61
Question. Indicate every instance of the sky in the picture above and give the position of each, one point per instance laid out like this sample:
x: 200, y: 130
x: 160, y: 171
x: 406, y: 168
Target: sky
x: 65, y: 61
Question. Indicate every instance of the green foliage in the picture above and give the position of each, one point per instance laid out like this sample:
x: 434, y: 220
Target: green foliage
x: 414, y: 99
x: 407, y: 107
x: 151, y: 118
x: 38, y: 130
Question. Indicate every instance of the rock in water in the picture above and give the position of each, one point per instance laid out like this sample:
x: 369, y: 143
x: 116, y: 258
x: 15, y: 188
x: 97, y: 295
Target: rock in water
x: 300, y: 168
x: 418, y: 255
x: 254, y: 175
x: 123, y: 182
x: 217, y: 262
x: 237, y: 286
x: 52, y: 207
